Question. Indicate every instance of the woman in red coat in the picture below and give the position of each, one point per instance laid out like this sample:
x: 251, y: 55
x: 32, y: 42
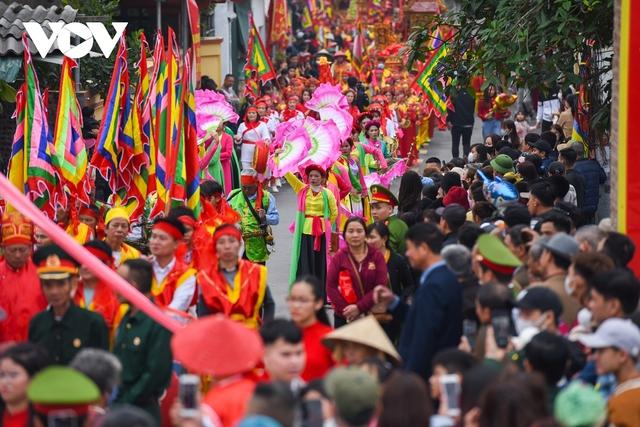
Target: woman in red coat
x: 306, y: 306
x: 353, y: 274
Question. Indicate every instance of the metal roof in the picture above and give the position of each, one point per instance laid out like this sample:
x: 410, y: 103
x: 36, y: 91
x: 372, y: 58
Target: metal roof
x: 12, y: 16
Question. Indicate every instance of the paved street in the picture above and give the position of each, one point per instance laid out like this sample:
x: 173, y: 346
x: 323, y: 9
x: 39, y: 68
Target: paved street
x: 281, y: 259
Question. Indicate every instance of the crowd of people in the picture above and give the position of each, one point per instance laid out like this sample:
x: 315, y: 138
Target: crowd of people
x: 481, y: 293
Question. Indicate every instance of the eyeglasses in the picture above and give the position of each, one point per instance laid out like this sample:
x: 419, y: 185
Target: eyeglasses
x: 303, y: 301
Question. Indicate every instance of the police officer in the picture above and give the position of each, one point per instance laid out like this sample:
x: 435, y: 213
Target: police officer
x: 63, y: 328
x: 383, y: 203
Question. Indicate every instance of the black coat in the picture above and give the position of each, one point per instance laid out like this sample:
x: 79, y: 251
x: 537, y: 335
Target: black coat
x: 433, y: 322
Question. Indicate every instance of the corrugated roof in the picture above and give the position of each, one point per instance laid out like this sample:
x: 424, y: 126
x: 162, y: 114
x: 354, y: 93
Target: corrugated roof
x: 12, y: 16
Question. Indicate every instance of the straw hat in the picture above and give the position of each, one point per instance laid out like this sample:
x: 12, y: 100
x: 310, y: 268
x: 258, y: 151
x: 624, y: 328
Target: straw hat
x: 366, y: 331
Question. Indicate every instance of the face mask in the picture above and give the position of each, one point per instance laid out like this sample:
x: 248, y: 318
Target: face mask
x: 568, y: 287
x: 504, y: 132
x: 584, y: 317
x: 524, y: 324
x: 471, y: 157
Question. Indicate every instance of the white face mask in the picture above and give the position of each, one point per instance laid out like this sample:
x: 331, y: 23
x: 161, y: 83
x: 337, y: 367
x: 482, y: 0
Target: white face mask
x: 584, y: 317
x: 471, y: 157
x: 524, y: 324
x: 568, y: 287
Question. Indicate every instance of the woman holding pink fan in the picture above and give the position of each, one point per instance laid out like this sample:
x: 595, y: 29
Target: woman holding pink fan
x: 251, y: 131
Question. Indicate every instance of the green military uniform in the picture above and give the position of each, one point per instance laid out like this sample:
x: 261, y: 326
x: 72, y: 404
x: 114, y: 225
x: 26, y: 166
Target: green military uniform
x: 253, y: 236
x: 144, y: 349
x: 64, y: 338
x: 397, y: 227
x: 397, y: 233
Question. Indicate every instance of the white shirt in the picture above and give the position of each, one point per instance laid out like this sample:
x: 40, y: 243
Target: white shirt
x: 183, y: 295
x: 547, y: 109
x: 259, y: 133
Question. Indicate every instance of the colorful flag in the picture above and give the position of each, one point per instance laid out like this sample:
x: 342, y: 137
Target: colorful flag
x: 137, y: 126
x: 106, y: 157
x: 307, y: 20
x: 436, y: 39
x: 190, y: 131
x: 30, y: 168
x: 68, y: 153
x: 257, y: 58
x: 279, y: 28
x: 166, y: 123
x: 194, y: 20
x: 429, y: 80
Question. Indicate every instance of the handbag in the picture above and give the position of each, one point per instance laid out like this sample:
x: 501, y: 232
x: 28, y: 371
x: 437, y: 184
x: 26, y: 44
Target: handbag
x: 345, y: 287
x: 379, y: 311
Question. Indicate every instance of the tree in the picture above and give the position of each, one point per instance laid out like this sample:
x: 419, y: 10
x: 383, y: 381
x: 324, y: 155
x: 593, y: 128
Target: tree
x: 529, y: 43
x: 96, y: 72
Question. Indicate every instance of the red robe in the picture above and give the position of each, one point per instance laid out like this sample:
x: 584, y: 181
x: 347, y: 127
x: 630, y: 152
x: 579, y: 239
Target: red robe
x: 21, y: 298
x: 243, y: 301
x: 163, y: 292
x: 105, y: 302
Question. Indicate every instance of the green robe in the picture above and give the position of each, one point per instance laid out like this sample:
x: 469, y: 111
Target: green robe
x: 255, y: 247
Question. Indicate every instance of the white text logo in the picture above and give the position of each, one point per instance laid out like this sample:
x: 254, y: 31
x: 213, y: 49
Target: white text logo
x: 63, y: 32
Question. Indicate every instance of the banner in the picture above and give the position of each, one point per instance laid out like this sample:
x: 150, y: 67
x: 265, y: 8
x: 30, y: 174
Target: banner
x: 625, y: 156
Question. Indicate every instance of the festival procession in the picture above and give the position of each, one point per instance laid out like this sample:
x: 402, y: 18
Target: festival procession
x: 319, y: 213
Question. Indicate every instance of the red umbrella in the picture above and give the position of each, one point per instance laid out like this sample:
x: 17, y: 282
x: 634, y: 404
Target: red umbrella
x: 218, y: 346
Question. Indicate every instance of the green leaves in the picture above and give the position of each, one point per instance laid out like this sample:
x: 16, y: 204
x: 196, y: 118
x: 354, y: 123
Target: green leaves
x: 524, y: 43
x: 7, y: 92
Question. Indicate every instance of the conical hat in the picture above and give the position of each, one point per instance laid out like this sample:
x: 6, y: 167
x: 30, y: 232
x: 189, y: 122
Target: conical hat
x: 366, y: 331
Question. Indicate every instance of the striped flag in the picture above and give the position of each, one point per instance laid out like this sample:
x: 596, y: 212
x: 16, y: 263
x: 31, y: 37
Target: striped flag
x: 191, y: 157
x: 68, y: 153
x: 166, y: 124
x: 136, y: 174
x: 106, y: 156
x: 427, y: 81
x: 30, y: 167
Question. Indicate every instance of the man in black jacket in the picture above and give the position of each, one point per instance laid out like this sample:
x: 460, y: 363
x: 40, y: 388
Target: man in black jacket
x: 460, y: 121
x: 593, y: 175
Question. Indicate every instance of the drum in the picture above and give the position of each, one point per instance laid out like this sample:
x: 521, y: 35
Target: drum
x: 260, y: 157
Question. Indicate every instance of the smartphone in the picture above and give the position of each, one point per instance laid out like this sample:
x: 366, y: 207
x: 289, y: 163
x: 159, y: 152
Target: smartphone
x: 312, y: 413
x: 189, y: 385
x: 501, y: 327
x: 469, y: 330
x: 63, y: 418
x: 450, y: 394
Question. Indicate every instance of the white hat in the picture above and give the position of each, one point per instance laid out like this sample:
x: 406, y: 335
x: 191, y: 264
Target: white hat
x: 619, y: 333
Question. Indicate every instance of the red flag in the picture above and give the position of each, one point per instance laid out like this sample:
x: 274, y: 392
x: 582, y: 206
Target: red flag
x: 279, y: 28
x: 194, y: 20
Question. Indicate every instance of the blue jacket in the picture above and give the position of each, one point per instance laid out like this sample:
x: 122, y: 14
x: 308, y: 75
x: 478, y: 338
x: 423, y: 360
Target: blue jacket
x: 593, y: 175
x: 433, y: 322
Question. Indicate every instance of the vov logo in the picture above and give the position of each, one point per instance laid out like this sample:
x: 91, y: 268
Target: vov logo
x: 62, y: 32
